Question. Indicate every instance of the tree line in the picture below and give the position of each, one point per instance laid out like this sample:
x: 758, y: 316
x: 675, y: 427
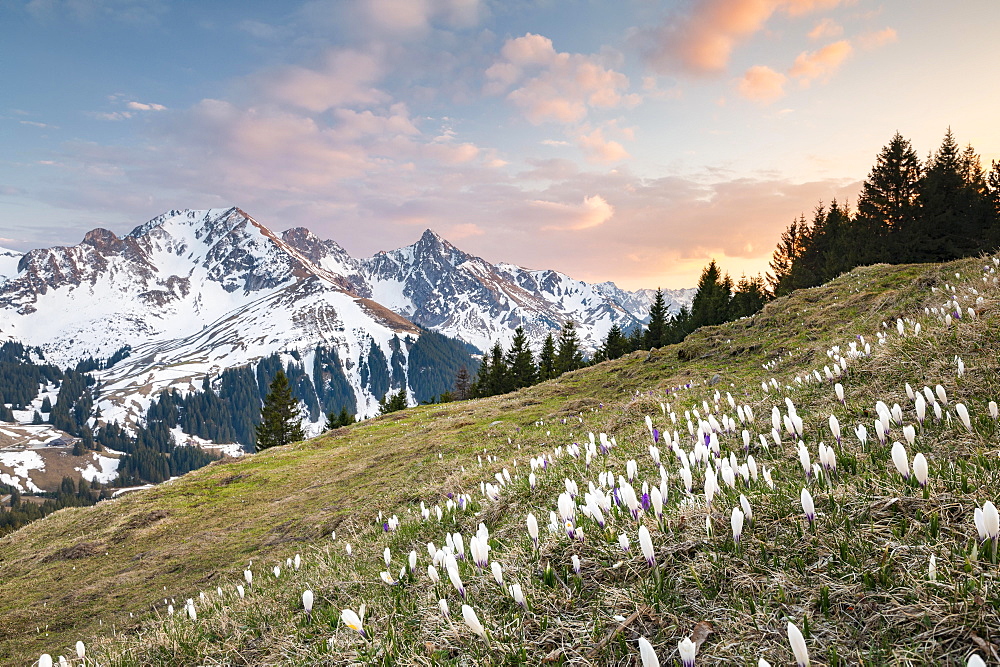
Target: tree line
x: 942, y: 208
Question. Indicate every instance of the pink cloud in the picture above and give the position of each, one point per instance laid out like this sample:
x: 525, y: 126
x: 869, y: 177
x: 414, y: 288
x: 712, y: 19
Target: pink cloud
x: 345, y: 77
x: 593, y: 212
x: 762, y: 84
x: 552, y: 86
x: 701, y: 40
x: 820, y: 64
x: 599, y: 149
x: 825, y: 29
x: 874, y: 40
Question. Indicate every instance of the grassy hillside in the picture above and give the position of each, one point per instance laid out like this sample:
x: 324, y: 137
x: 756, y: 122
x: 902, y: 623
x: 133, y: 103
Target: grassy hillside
x: 856, y: 583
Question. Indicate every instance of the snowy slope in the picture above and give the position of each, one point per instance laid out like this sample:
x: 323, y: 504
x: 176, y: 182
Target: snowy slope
x: 8, y: 263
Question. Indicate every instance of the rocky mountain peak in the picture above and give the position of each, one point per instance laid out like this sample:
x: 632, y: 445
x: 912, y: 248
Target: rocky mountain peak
x: 103, y: 240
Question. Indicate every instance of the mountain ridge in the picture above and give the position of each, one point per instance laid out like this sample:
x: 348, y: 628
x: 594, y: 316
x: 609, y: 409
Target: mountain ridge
x: 194, y: 292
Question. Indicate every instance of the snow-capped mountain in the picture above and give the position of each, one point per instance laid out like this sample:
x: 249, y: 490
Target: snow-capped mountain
x: 442, y: 288
x: 192, y: 292
x: 197, y: 292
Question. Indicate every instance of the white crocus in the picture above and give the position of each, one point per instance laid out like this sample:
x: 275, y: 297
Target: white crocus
x: 352, y: 620
x: 646, y: 654
x: 963, y: 414
x: 798, y: 643
x: 932, y: 568
x: 646, y: 544
x: 737, y: 524
x: 899, y: 459
x: 307, y: 601
x: 472, y: 620
x: 687, y: 649
x: 497, y: 572
x: 807, y: 504
x: 991, y: 519
x: 920, y: 468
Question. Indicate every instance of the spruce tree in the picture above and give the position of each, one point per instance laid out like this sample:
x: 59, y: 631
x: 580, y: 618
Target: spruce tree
x: 711, y: 300
x: 547, y: 359
x: 279, y: 416
x: 887, y: 207
x: 657, y: 321
x: 520, y: 363
x: 332, y: 421
x: 463, y: 384
x: 568, y: 354
x: 346, y: 418
x: 790, y: 248
x: 615, y: 345
x: 499, y: 380
x: 392, y: 402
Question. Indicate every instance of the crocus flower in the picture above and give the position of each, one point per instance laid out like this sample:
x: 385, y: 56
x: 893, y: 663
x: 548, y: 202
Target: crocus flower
x: 277, y: 571
x: 900, y: 460
x: 920, y: 468
x: 910, y: 433
x: 497, y: 572
x: 518, y: 595
x: 991, y: 519
x: 687, y: 649
x: 975, y: 661
x: 737, y: 523
x: 994, y: 411
x: 623, y: 541
x: 932, y: 568
x: 646, y: 654
x: 81, y: 650
x: 353, y: 621
x: 472, y: 620
x: 835, y: 427
x: 963, y: 414
x: 576, y: 563
x: 248, y: 576
x: 191, y: 611
x: 456, y: 580
x: 298, y: 561
x: 307, y: 601
x: 533, y: 528
x: 980, y: 522
x: 839, y: 388
x: 798, y: 643
x: 807, y: 505
x: 646, y: 544
x: 443, y: 606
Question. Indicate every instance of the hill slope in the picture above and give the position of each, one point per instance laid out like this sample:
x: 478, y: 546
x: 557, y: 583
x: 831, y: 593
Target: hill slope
x: 857, y: 585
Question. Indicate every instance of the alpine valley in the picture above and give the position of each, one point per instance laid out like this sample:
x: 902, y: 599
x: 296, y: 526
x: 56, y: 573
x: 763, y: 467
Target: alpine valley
x: 203, y: 302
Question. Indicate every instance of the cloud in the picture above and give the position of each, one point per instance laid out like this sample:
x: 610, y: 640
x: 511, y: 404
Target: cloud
x: 401, y: 19
x: 594, y: 211
x: 820, y: 64
x: 825, y: 29
x: 135, y: 12
x: 701, y: 40
x: 139, y: 106
x: 874, y: 40
x: 345, y: 77
x: 11, y: 191
x: 762, y: 84
x: 35, y: 123
x: 598, y: 149
x: 553, y: 86
x: 464, y: 231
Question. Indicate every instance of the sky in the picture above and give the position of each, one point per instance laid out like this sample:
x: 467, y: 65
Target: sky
x: 631, y: 141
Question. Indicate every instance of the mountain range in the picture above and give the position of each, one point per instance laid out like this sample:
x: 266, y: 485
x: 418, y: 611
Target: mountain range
x: 194, y: 292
